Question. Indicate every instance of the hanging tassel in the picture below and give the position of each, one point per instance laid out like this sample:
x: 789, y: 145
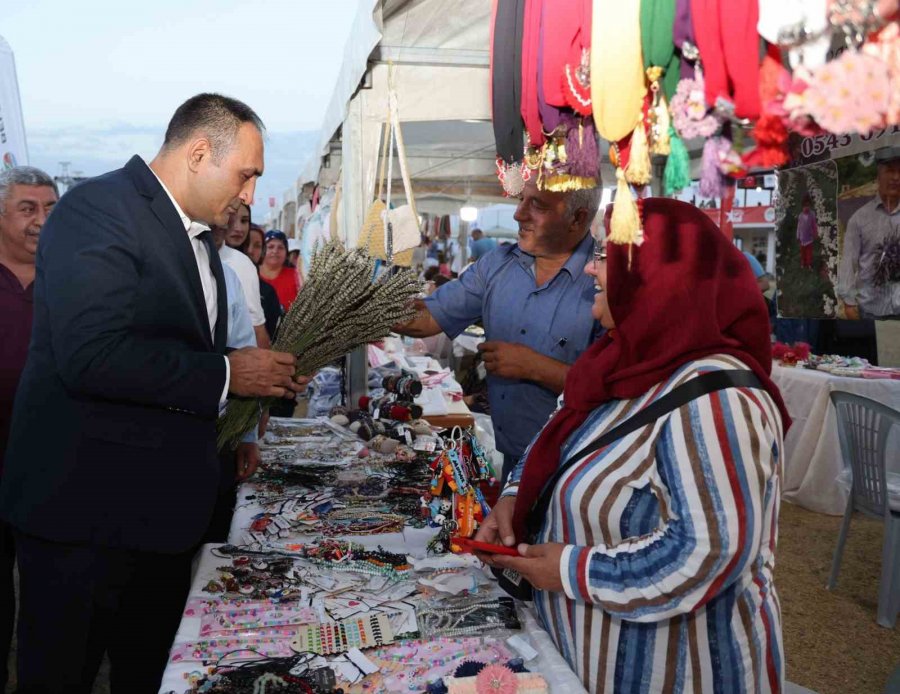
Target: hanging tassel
x: 662, y: 143
x: 625, y: 225
x: 659, y: 113
x: 677, y: 176
x: 581, y: 147
x: 639, y: 172
x: 710, y: 173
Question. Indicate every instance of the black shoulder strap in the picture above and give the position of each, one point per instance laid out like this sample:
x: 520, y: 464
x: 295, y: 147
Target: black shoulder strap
x: 683, y: 394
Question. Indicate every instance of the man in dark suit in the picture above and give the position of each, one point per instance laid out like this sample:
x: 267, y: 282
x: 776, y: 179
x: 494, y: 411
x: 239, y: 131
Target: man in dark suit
x: 110, y: 496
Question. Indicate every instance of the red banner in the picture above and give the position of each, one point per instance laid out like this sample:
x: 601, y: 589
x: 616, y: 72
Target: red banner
x: 743, y: 216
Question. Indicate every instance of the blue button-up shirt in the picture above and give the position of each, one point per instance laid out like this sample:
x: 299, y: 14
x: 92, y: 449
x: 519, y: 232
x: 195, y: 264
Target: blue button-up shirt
x: 553, y: 319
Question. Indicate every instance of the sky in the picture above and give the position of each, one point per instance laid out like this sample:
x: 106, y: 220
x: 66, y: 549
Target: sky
x: 99, y: 79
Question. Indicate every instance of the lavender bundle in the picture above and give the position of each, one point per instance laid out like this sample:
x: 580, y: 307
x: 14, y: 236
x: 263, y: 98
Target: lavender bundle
x: 340, y: 308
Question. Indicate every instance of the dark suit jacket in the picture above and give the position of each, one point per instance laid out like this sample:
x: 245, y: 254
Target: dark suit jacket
x: 113, y: 438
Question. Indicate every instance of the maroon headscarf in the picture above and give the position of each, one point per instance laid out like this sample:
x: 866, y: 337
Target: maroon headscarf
x: 688, y: 294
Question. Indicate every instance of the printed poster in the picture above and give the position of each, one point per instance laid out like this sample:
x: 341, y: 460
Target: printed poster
x: 838, y: 228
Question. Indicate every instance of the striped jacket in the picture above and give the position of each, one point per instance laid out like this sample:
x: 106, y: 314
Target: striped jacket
x: 670, y: 537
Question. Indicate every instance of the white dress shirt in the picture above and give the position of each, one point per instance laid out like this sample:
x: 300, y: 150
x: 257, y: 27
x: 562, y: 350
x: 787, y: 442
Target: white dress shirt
x: 207, y: 280
x: 246, y: 271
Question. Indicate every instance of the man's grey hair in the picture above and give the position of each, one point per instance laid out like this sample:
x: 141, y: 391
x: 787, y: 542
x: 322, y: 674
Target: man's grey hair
x: 587, y: 199
x: 23, y: 176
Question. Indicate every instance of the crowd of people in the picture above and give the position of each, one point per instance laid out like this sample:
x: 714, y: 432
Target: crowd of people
x: 643, y: 503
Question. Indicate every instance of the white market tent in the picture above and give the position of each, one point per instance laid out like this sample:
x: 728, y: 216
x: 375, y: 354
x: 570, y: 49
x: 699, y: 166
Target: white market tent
x: 441, y: 73
x: 441, y: 76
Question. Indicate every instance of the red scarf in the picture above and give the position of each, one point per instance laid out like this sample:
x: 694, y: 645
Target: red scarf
x: 689, y: 294
x: 729, y: 51
x: 565, y: 35
x: 531, y: 41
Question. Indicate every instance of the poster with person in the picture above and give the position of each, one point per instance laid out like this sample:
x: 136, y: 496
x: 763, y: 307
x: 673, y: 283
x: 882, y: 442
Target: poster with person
x: 807, y: 241
x: 869, y: 214
x: 838, y: 229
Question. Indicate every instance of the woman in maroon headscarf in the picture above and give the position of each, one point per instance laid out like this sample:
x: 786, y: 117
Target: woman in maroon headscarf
x: 653, y: 556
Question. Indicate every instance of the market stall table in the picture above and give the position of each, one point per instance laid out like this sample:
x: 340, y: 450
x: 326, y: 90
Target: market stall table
x: 812, y: 460
x: 205, y: 605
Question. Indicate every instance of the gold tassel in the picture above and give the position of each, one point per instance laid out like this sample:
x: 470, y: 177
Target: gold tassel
x: 625, y: 224
x: 563, y: 183
x: 639, y: 172
x: 661, y: 143
x: 659, y: 113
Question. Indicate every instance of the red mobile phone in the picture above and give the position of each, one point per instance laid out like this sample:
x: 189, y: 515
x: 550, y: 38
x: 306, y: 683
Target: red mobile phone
x: 468, y: 545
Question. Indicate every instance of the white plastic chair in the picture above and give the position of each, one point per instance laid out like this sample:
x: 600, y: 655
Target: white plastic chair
x: 863, y: 429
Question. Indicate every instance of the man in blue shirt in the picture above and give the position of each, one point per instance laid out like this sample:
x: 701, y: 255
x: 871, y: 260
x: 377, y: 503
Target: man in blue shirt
x: 481, y: 244
x: 534, y: 300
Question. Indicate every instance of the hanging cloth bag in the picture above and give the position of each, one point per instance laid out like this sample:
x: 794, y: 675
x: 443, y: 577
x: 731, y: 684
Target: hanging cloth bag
x: 371, y: 236
x: 401, y: 224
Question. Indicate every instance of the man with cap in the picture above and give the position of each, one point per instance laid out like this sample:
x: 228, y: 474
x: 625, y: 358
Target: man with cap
x: 869, y: 272
x: 534, y: 300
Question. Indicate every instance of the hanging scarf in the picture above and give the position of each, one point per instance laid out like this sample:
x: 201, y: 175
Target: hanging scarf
x: 689, y: 294
x: 577, y: 75
x: 683, y: 34
x: 617, y: 72
x: 531, y: 41
x: 550, y: 112
x: 660, y: 66
x: 561, y: 28
x: 729, y: 52
x: 565, y: 35
x: 657, y: 43
x: 506, y: 79
x: 617, y: 93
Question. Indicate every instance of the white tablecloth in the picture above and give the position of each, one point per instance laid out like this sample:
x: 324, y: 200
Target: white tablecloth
x: 549, y: 662
x: 812, y: 451
x: 411, y: 541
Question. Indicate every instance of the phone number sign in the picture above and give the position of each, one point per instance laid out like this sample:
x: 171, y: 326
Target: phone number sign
x: 808, y: 150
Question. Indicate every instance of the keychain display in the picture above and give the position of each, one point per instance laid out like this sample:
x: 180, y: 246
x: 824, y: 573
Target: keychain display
x: 256, y: 578
x: 455, y: 502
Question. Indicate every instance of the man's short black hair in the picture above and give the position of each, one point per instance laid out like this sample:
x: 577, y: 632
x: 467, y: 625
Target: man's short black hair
x: 215, y: 116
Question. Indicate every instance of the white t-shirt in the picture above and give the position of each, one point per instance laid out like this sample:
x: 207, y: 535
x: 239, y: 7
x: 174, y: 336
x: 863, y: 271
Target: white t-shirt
x: 243, y: 267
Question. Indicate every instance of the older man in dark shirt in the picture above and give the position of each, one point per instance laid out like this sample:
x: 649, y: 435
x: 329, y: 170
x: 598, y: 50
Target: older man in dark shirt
x: 26, y: 197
